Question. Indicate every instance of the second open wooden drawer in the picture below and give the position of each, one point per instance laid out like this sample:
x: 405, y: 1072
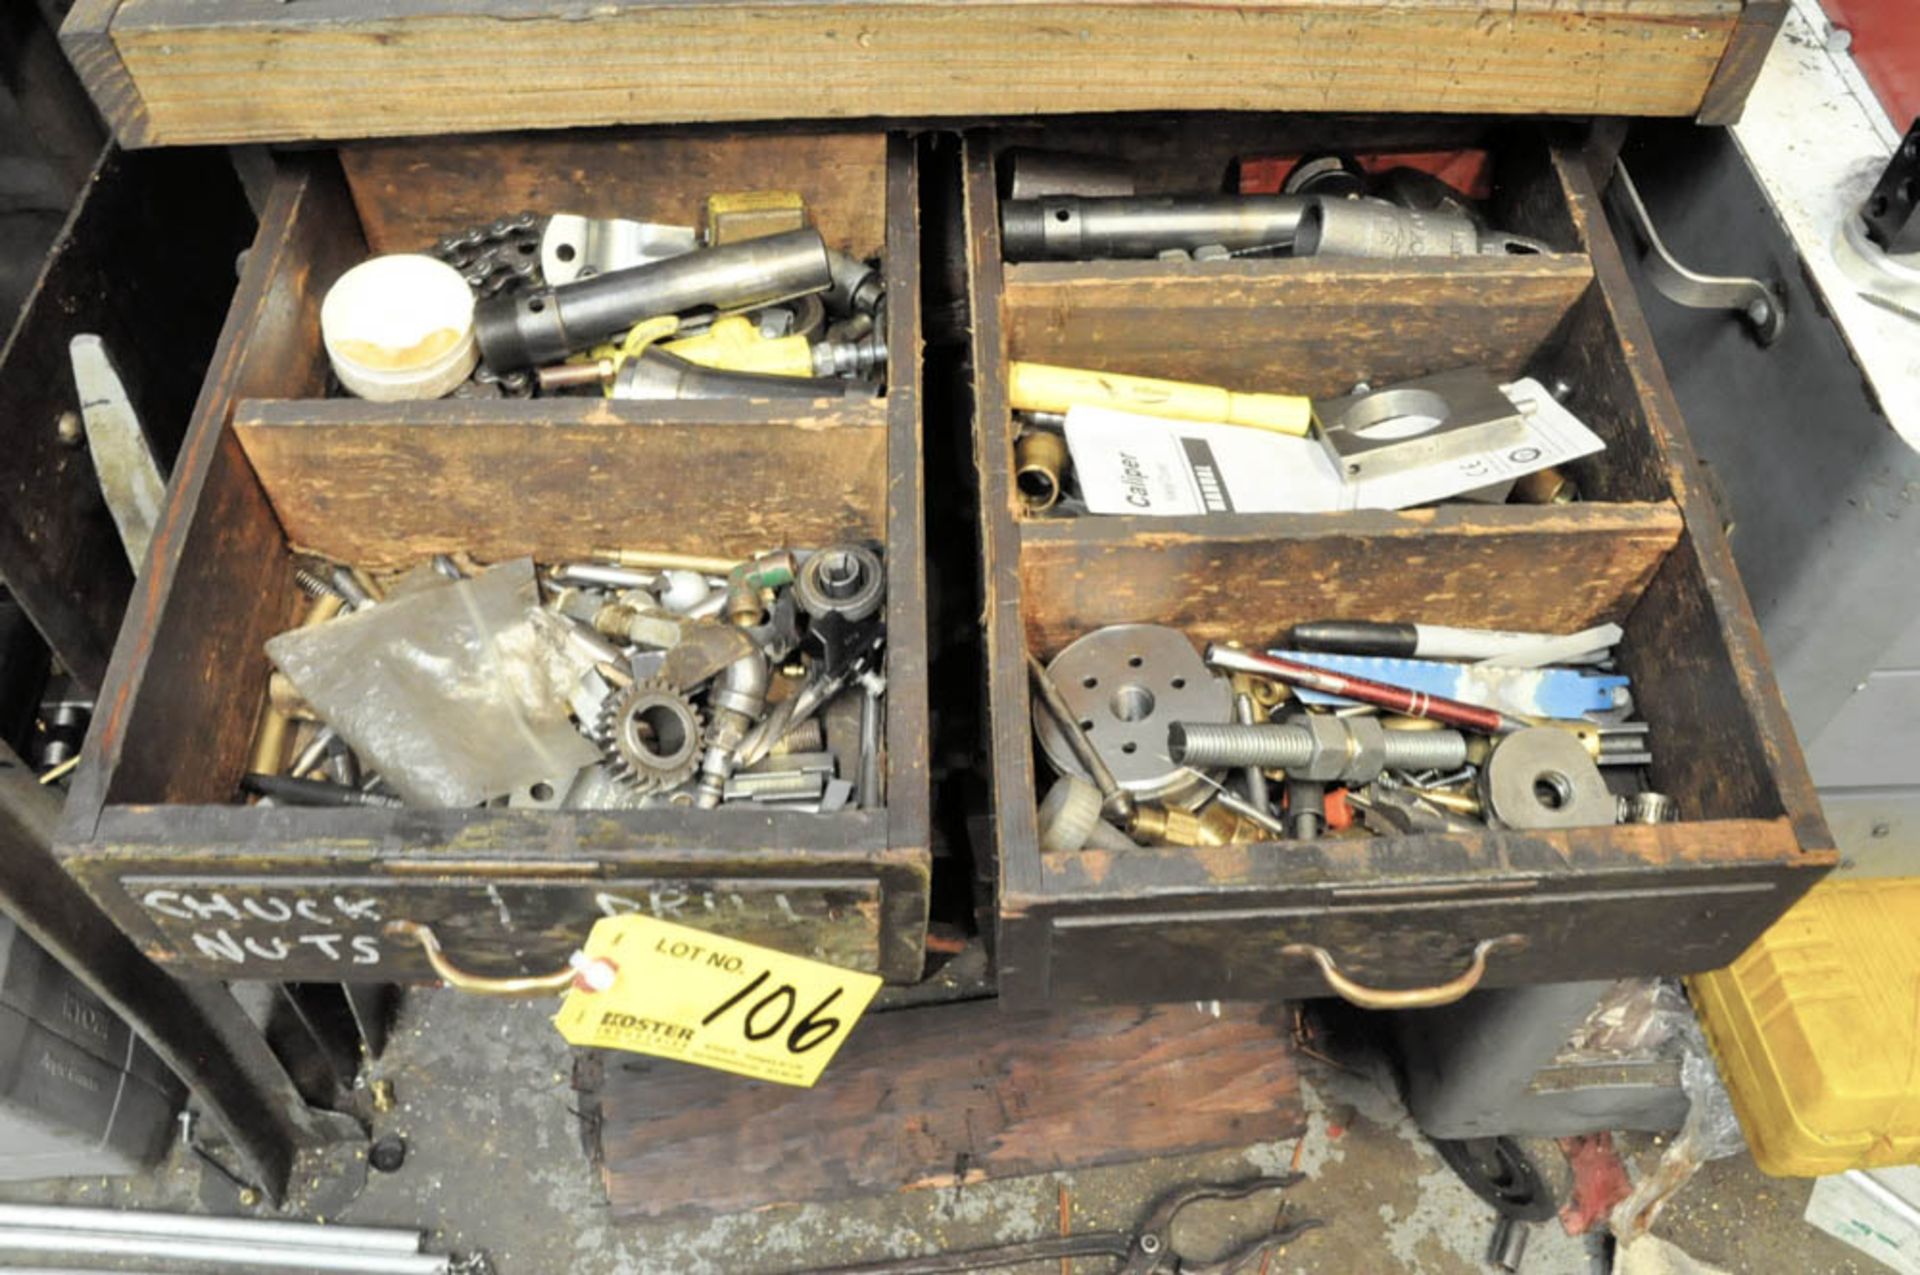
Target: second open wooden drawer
x: 1644, y: 549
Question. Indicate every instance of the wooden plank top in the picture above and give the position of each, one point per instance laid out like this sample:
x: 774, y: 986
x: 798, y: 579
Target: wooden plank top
x: 170, y: 72
x: 948, y: 1095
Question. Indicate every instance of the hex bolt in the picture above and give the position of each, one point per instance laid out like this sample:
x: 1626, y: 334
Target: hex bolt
x: 1317, y: 747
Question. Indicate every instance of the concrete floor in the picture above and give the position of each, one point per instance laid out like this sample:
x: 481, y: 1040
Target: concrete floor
x: 485, y: 1100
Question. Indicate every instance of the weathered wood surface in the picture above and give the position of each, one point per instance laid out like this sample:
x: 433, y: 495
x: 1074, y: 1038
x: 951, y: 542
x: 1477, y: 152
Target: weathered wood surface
x: 1099, y: 927
x: 192, y: 71
x: 189, y: 672
x: 1740, y: 65
x: 410, y: 193
x: 909, y: 728
x: 247, y: 892
x: 944, y: 1095
x: 1249, y: 577
x: 1291, y: 326
x: 1697, y: 649
x: 391, y: 484
x: 1399, y: 912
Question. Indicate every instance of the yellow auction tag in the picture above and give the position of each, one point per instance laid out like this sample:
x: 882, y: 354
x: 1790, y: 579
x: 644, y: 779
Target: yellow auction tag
x: 653, y: 987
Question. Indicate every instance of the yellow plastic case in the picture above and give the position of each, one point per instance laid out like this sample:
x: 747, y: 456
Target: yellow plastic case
x: 1817, y: 1029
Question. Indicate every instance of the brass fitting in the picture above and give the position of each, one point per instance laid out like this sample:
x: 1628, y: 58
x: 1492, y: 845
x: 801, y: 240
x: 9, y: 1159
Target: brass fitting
x: 1039, y: 460
x: 1544, y: 487
x: 1460, y: 803
x: 1216, y: 825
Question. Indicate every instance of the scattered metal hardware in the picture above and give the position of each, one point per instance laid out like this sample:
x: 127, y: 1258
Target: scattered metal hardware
x: 1108, y: 709
x: 1028, y: 173
x: 776, y: 785
x: 1147, y: 1250
x: 652, y: 735
x: 856, y: 288
x: 673, y: 675
x: 1122, y: 685
x: 1648, y: 807
x: 842, y: 580
x: 859, y: 356
x: 1075, y: 228
x: 1039, y: 461
x: 1247, y: 713
x: 1542, y: 778
x: 573, y: 247
x: 870, y: 793
x: 1337, y: 176
x: 1337, y: 227
x: 499, y: 257
x: 657, y: 374
x: 523, y: 330
x: 289, y: 791
x: 1760, y: 305
x: 1452, y: 415
x: 62, y: 724
x: 130, y: 479
x: 1545, y: 487
x: 1316, y: 746
x: 1306, y: 807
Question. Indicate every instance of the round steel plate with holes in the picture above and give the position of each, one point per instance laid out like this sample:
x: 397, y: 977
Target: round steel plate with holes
x: 1542, y: 777
x: 1126, y: 682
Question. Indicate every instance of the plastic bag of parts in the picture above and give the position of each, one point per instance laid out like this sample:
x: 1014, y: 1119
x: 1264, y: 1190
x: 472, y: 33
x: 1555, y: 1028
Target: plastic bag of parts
x: 455, y: 694
x: 1636, y: 1018
x: 1711, y: 1132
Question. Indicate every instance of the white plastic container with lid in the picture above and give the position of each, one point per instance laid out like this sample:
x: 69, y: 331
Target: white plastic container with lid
x: 400, y: 327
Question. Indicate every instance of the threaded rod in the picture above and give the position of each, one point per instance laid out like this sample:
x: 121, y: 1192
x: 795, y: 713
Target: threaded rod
x: 1291, y: 747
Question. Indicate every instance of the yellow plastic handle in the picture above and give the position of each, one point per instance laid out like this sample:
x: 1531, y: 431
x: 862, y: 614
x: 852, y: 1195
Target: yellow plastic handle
x: 734, y: 343
x: 1413, y: 997
x: 1042, y: 387
x: 478, y: 984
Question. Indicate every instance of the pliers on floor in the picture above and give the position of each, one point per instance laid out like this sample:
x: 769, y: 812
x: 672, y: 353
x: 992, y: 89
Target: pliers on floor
x: 1148, y: 1250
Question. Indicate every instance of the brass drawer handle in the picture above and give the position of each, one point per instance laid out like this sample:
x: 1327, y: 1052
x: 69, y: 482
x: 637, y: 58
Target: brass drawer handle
x: 480, y: 985
x: 1413, y: 997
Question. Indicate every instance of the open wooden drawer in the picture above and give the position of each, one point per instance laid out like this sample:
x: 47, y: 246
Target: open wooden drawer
x: 233, y: 891
x: 1643, y: 549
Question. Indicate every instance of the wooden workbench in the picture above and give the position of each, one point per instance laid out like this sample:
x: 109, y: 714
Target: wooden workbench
x: 169, y: 72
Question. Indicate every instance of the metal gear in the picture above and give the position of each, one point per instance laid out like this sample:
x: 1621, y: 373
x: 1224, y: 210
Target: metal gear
x: 652, y: 736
